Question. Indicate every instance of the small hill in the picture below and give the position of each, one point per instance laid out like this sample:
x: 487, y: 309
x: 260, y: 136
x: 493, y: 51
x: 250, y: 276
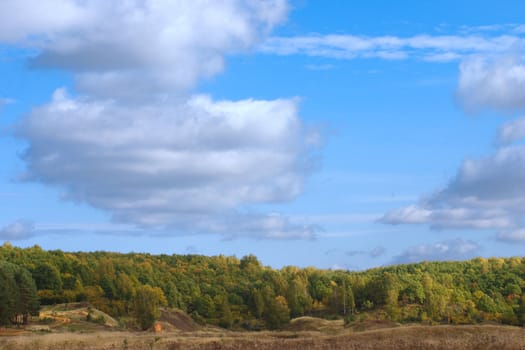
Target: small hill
x: 308, y: 324
x: 76, y: 316
x: 173, y: 319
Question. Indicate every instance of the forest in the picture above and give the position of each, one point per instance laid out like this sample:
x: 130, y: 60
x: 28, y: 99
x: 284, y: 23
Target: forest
x: 244, y: 294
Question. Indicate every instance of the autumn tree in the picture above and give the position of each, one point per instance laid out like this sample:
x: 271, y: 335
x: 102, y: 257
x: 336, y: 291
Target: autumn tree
x: 277, y: 313
x: 147, y: 301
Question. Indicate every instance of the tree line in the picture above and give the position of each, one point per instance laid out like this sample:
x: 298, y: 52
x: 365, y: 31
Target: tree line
x: 242, y: 293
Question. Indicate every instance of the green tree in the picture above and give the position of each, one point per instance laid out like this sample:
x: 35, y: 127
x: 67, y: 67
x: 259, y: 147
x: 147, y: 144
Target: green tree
x: 27, y: 303
x: 18, y: 296
x: 47, y: 276
x: 148, y: 299
x: 277, y: 313
x: 8, y: 293
x: 258, y: 301
x: 520, y: 312
x: 224, y: 312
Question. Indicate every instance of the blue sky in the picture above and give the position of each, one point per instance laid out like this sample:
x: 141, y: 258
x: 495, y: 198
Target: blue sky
x: 328, y: 134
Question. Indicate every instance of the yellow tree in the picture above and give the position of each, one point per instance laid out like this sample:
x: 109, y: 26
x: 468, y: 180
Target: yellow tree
x: 148, y: 299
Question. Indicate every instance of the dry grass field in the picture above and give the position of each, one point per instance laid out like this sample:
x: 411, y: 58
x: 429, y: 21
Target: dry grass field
x: 67, y: 327
x: 405, y: 337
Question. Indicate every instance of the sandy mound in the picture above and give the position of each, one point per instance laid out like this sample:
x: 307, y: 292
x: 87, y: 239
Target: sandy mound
x: 63, y: 314
x: 303, y: 324
x: 178, y: 320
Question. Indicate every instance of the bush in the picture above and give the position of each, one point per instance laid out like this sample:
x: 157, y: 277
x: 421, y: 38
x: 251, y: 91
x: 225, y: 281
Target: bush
x: 46, y: 320
x: 350, y: 319
x: 99, y: 319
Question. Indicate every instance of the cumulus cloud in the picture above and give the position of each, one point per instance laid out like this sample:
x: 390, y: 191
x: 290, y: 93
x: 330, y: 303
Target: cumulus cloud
x: 170, y: 164
x: 487, y: 83
x: 486, y: 193
x: 437, y: 48
x: 142, y: 45
x: 25, y: 19
x: 17, y: 230
x: 456, y: 249
x: 135, y: 140
x: 512, y: 131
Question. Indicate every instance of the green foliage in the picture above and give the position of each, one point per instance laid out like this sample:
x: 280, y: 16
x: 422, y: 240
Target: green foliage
x: 18, y: 295
x: 47, y: 276
x: 234, y: 293
x: 146, y: 305
x: 96, y: 319
x: 277, y: 313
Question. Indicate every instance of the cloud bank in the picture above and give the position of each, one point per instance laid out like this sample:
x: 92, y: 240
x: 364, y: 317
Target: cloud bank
x: 135, y: 140
x: 450, y: 250
x: 17, y: 230
x: 486, y: 192
x: 433, y: 48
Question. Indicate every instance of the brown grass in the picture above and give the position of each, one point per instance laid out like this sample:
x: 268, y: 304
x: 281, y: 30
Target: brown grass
x: 407, y: 337
x: 312, y: 324
x: 177, y: 320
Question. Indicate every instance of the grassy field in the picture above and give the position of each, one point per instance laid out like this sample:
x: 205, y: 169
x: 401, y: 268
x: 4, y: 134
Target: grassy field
x: 405, y: 337
x: 68, y: 327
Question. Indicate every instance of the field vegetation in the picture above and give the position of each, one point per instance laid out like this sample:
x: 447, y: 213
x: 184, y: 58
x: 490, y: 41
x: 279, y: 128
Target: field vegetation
x: 406, y: 337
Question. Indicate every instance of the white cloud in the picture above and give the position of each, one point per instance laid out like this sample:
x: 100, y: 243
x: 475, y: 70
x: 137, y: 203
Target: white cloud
x: 438, y: 48
x: 5, y: 101
x: 319, y: 67
x: 497, y: 84
x: 486, y: 193
x: 337, y: 218
x: 372, y: 253
x: 457, y: 249
x: 29, y: 21
x: 135, y: 47
x: 230, y: 225
x: 170, y: 164
x: 340, y: 267
x: 17, y: 230
x: 134, y: 141
x: 520, y: 29
x: 511, y: 131
x: 443, y: 57
x: 273, y: 226
x: 513, y: 236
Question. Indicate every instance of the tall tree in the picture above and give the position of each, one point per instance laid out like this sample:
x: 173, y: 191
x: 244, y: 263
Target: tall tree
x: 148, y: 299
x: 18, y: 296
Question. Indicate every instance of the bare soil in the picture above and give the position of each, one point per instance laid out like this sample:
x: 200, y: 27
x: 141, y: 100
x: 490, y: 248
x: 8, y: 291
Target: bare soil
x: 178, y: 320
